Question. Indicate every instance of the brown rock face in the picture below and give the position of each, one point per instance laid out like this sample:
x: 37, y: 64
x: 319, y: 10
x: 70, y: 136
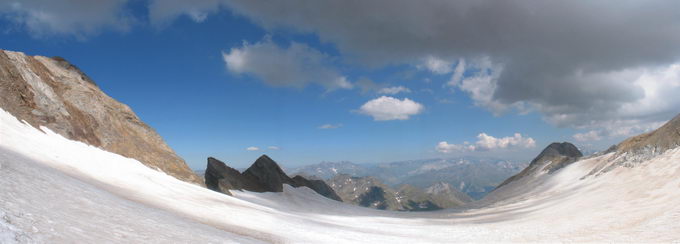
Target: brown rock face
x: 51, y: 92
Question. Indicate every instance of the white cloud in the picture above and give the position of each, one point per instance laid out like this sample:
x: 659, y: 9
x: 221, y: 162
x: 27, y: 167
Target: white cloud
x: 486, y: 143
x: 445, y: 147
x: 330, y: 126
x: 295, y: 66
x: 394, y: 90
x: 389, y: 108
x: 273, y: 148
x: 67, y: 17
x: 253, y: 148
x: 435, y: 65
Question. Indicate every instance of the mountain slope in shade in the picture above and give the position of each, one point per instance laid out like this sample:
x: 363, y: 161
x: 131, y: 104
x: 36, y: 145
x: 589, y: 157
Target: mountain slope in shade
x: 57, y: 190
x: 53, y: 93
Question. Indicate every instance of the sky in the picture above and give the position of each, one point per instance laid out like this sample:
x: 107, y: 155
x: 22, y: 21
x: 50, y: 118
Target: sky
x: 307, y: 81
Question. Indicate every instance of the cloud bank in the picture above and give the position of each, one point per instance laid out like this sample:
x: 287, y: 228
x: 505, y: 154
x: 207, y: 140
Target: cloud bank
x: 486, y: 143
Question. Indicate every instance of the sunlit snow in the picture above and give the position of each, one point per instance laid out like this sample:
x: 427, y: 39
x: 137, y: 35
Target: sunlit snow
x: 56, y: 190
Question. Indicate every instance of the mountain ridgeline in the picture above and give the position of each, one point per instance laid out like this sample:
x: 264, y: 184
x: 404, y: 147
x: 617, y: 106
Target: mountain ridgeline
x: 264, y: 175
x: 370, y: 192
x: 472, y: 176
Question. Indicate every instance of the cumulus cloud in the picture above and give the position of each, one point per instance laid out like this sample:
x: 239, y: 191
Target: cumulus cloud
x: 394, y: 90
x: 329, y: 126
x: 67, y: 17
x: 295, y: 66
x: 389, y: 108
x: 252, y: 148
x: 486, y: 143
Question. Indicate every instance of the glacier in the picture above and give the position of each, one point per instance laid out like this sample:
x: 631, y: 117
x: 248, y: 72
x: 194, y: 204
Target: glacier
x: 56, y: 190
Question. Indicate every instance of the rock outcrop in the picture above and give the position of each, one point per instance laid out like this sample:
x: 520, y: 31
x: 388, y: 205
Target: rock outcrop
x: 665, y: 137
x: 53, y: 93
x: 635, y: 150
x: 264, y: 175
x: 552, y: 158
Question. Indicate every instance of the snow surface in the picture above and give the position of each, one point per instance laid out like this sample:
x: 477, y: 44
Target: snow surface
x: 56, y: 190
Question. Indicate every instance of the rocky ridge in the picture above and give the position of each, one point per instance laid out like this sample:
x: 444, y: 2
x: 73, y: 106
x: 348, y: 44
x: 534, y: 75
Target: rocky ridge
x: 640, y: 148
x: 264, y: 175
x: 53, y: 93
x: 554, y: 157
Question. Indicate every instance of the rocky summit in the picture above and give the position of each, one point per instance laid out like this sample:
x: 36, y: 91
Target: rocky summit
x: 53, y: 93
x: 264, y: 175
x: 554, y: 157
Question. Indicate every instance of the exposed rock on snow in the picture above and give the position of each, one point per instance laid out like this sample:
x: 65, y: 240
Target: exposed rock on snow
x: 554, y: 157
x: 53, y: 93
x: 638, y: 149
x: 264, y: 175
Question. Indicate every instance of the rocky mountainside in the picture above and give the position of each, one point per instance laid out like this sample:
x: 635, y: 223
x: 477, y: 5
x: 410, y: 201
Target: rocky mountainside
x: 53, y: 93
x: 554, y: 157
x: 371, y: 192
x: 473, y: 176
x: 264, y: 175
x: 637, y: 149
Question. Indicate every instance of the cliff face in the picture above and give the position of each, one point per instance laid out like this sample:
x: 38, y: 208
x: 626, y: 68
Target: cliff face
x: 53, y: 93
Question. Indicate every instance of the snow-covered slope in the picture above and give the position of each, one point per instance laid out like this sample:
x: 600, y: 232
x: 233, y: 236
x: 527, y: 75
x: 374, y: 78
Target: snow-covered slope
x: 56, y: 190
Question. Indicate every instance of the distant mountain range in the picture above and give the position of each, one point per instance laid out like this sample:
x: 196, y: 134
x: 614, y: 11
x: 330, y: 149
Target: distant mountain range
x: 473, y: 176
x: 370, y: 192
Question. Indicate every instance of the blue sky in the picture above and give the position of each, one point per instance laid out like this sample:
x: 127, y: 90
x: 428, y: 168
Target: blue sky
x: 220, y: 78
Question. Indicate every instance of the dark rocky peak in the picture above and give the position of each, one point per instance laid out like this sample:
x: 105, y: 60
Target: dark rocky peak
x: 222, y: 178
x: 554, y: 157
x: 556, y: 149
x: 264, y: 175
x: 268, y: 173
